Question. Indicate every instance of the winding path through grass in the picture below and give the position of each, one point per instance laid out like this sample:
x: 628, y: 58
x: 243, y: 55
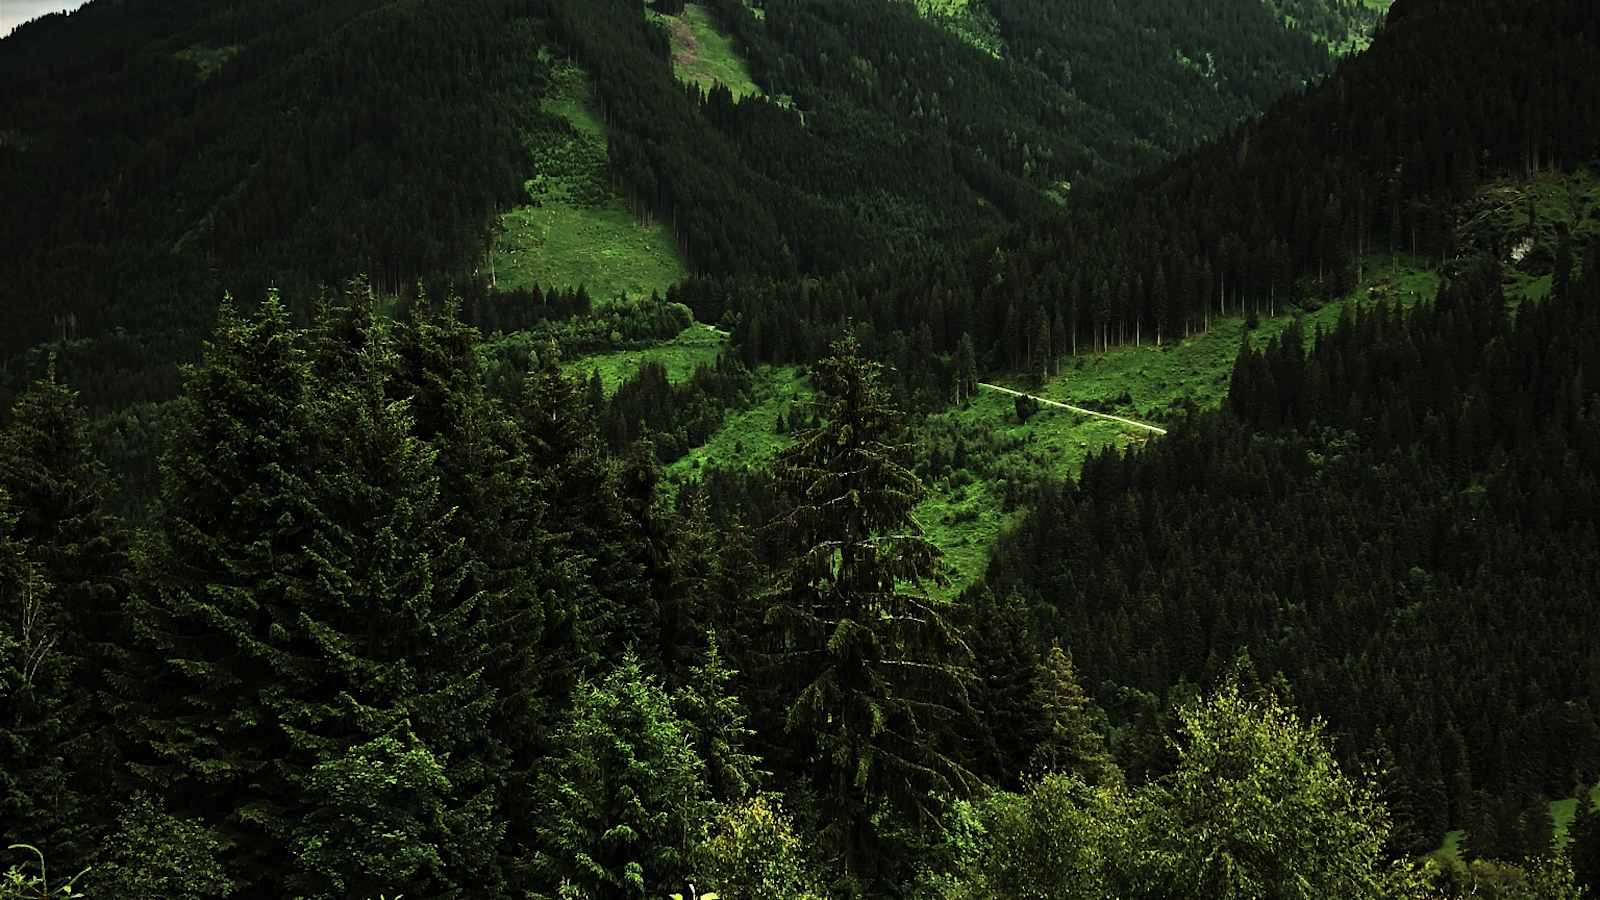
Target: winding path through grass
x: 1077, y: 409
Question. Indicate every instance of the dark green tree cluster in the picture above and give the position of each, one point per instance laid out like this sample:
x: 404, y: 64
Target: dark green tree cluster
x: 1279, y: 211
x: 165, y: 157
x: 1406, y: 499
x: 388, y: 634
x: 155, y: 161
x: 675, y: 418
x: 361, y: 626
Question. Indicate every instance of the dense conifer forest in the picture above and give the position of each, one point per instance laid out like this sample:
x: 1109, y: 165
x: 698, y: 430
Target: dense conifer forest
x: 335, y: 562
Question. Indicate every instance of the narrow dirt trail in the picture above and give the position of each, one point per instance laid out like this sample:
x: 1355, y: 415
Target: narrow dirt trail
x: 1077, y: 409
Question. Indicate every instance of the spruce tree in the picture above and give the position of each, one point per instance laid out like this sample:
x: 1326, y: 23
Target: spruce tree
x: 878, y: 678
x: 215, y: 594
x: 1072, y: 741
x: 59, y: 492
x: 1583, y: 843
x: 304, y: 618
x: 37, y: 798
x: 586, y: 507
x: 402, y: 636
x: 528, y: 577
x: 1006, y: 662
x: 966, y: 370
x: 716, y: 721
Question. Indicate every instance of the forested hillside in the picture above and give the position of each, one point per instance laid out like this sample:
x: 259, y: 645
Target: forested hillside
x: 1398, y: 517
x: 1279, y: 211
x: 1090, y: 456
x: 158, y: 155
x: 158, y: 158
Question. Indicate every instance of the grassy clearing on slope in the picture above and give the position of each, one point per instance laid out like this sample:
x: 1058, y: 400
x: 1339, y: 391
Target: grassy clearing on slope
x: 1563, y: 811
x: 703, y: 55
x: 1561, y: 814
x: 1143, y: 383
x: 208, y: 60
x: 1498, y: 220
x: 576, y: 230
x: 695, y: 346
x: 963, y: 516
x: 749, y: 437
x: 571, y: 98
x: 606, y: 250
x: 1151, y: 383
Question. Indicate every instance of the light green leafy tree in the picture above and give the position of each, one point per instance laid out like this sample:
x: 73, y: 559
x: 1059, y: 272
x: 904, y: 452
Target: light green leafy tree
x: 373, y: 827
x: 751, y: 852
x: 1258, y: 809
x: 1060, y: 840
x: 154, y: 855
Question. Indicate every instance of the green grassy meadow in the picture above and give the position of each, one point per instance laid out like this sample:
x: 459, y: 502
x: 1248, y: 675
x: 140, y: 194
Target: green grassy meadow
x: 1561, y: 814
x: 1499, y: 220
x: 749, y: 437
x: 695, y: 346
x: 963, y: 516
x: 606, y: 250
x: 575, y: 229
x: 703, y: 55
x: 1563, y: 811
x: 1157, y: 381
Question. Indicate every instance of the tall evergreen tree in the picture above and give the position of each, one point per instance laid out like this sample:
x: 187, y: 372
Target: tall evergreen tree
x: 580, y: 487
x: 880, y: 678
x: 530, y: 579
x: 966, y: 370
x: 305, y: 616
x: 59, y: 490
x: 1072, y: 741
x: 1583, y: 843
x: 37, y: 800
x: 238, y: 515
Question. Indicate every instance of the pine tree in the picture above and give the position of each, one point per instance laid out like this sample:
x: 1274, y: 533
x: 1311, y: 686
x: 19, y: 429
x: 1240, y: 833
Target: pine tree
x: 238, y: 514
x: 1072, y: 741
x: 580, y: 489
x: 530, y: 580
x: 36, y: 788
x: 1006, y: 662
x: 305, y: 617
x: 880, y: 677
x: 59, y: 492
x: 1583, y: 843
x: 716, y: 720
x: 596, y: 395
x: 403, y: 646
x: 967, y: 370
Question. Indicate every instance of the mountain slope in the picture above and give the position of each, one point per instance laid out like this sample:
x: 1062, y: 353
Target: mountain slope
x: 161, y: 154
